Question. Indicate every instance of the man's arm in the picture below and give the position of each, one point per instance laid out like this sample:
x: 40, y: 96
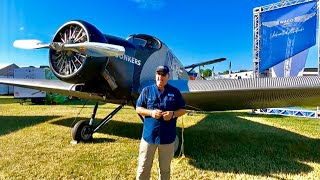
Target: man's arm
x: 179, y: 112
x: 143, y: 111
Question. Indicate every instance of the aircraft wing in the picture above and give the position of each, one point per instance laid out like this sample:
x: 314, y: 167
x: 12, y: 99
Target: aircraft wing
x: 54, y: 86
x: 192, y: 66
x: 232, y: 94
x: 213, y: 95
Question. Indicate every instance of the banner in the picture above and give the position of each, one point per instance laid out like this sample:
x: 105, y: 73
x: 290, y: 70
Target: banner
x: 286, y: 32
x: 296, y: 65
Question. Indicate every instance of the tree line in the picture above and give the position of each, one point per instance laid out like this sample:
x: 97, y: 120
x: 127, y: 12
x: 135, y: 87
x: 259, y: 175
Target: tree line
x: 208, y: 72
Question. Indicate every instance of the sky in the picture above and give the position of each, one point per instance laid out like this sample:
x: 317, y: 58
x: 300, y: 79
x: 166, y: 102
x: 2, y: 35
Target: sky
x: 195, y: 31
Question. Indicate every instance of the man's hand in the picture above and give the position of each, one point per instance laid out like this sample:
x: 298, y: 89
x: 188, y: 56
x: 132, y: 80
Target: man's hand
x: 167, y: 115
x: 156, y: 113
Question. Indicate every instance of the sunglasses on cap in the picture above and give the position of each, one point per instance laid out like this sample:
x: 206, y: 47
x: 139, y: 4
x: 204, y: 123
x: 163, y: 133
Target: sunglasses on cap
x: 161, y: 74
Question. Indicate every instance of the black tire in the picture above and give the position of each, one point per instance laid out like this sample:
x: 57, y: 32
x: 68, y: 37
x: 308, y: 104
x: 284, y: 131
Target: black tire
x: 82, y: 131
x: 190, y: 113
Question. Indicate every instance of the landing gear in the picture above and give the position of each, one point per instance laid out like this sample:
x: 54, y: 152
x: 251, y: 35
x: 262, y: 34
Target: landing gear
x: 190, y: 113
x: 83, y: 130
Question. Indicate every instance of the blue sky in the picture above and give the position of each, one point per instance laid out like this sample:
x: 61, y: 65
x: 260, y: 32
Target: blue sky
x: 194, y: 30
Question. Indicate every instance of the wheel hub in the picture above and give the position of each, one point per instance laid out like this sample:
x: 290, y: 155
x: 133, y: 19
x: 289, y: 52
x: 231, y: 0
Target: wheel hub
x: 86, y: 133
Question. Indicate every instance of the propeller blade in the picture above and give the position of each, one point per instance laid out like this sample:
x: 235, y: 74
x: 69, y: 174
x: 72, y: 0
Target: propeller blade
x: 30, y: 44
x: 94, y: 49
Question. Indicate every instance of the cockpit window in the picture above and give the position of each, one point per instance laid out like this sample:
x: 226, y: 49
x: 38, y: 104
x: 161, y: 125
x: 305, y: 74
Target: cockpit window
x: 138, y: 41
x: 151, y: 44
x: 146, y: 42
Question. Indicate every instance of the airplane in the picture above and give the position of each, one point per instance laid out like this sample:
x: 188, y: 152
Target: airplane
x: 192, y: 66
x: 95, y: 66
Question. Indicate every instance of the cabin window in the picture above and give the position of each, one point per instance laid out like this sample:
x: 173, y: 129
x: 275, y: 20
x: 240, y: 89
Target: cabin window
x: 152, y: 44
x: 146, y: 42
x: 138, y: 41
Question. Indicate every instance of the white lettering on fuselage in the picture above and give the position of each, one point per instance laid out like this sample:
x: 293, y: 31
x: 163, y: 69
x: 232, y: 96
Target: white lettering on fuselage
x: 130, y: 59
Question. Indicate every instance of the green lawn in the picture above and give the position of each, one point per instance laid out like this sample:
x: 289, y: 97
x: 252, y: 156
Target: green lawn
x: 35, y: 144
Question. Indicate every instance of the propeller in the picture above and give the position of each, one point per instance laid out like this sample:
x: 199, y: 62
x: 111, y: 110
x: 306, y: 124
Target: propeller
x: 30, y: 44
x: 94, y: 49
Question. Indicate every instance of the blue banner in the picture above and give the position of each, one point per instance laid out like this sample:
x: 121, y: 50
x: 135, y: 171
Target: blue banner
x: 295, y: 65
x: 286, y: 32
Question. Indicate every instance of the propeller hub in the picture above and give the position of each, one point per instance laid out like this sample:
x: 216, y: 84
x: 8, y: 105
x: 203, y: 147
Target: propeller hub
x: 69, y: 53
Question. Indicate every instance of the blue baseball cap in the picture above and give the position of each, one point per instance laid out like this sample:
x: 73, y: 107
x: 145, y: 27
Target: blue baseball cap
x: 164, y: 69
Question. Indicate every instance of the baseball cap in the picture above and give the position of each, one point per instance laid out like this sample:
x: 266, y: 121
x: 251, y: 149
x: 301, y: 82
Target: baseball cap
x: 163, y: 69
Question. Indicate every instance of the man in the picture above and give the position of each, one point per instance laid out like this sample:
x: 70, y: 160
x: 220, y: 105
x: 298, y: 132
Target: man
x: 160, y: 104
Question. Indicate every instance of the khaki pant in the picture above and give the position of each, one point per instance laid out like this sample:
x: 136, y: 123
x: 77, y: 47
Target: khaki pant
x: 146, y: 154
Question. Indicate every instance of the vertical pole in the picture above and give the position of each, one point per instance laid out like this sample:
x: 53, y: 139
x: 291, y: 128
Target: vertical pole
x: 230, y: 69
x: 318, y: 52
x: 212, y: 73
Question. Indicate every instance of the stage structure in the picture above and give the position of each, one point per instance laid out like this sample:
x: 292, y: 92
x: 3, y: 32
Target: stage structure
x: 281, y: 31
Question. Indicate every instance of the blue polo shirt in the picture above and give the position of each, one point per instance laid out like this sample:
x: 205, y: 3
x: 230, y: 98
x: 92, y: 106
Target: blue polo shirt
x: 159, y: 131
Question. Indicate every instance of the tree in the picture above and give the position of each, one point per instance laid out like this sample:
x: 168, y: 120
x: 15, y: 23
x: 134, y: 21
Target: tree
x: 224, y: 72
x: 243, y: 70
x: 205, y: 73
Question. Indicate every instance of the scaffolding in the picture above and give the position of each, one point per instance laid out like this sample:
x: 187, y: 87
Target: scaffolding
x: 256, y: 55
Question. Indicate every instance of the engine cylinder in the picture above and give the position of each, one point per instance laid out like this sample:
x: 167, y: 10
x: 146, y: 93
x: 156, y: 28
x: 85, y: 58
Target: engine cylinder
x: 74, y: 67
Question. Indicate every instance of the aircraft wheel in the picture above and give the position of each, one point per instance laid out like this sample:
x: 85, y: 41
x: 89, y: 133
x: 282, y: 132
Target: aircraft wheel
x: 82, y: 131
x: 190, y: 113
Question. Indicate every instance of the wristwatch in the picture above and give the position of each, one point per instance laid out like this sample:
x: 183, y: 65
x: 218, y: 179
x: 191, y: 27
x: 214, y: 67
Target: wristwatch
x: 173, y: 115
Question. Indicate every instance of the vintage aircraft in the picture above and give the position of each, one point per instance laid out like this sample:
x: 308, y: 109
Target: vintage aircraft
x: 95, y: 66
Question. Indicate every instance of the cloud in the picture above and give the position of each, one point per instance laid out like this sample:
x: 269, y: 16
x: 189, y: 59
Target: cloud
x: 150, y: 4
x: 21, y: 28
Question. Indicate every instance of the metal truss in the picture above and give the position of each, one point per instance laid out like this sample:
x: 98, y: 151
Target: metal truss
x: 282, y: 4
x: 256, y: 42
x: 288, y: 112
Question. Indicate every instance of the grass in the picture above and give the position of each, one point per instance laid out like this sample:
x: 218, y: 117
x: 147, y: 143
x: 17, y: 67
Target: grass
x: 35, y: 144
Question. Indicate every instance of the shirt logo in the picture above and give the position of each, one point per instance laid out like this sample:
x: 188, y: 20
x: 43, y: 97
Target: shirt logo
x: 171, y: 95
